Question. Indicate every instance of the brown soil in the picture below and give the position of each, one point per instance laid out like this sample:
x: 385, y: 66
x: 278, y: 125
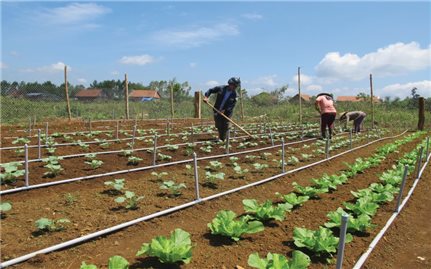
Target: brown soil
x: 407, y: 243
x: 94, y: 209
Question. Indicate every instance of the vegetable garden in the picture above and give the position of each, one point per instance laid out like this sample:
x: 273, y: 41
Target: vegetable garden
x: 169, y: 195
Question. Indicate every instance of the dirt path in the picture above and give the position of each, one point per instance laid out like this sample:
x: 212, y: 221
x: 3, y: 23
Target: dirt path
x: 407, y: 243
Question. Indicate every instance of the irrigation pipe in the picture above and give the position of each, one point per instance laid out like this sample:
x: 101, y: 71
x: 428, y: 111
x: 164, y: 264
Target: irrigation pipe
x: 170, y: 210
x: 379, y: 236
x: 118, y: 151
x: 139, y: 169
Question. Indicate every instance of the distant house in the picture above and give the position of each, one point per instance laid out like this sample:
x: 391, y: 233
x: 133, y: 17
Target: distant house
x: 42, y: 96
x: 304, y: 98
x: 90, y: 94
x: 143, y: 95
x: 355, y: 99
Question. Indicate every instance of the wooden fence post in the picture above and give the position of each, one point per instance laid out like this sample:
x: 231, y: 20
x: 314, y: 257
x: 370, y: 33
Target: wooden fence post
x: 372, y: 101
x: 126, y: 95
x: 172, y: 100
x: 421, y: 121
x: 241, y: 103
x: 198, y: 105
x: 66, y: 89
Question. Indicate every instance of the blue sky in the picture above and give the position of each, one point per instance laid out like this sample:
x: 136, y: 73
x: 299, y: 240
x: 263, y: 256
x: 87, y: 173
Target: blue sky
x: 336, y: 44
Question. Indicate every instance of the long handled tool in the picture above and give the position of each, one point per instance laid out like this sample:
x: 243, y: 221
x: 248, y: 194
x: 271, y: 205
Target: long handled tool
x: 226, y: 117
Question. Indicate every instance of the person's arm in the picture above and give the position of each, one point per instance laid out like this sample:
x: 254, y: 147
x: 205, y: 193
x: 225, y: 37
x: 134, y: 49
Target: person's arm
x: 217, y: 89
x: 230, y: 105
x: 347, y: 120
x: 316, y: 106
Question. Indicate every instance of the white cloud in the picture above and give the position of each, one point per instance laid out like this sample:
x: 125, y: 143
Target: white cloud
x: 395, y: 59
x: 212, y: 83
x: 265, y: 81
x: 305, y: 79
x: 81, y: 80
x: 115, y: 73
x: 137, y: 60
x: 195, y: 36
x: 404, y: 90
x: 314, y: 88
x: 192, y: 65
x: 3, y: 65
x: 53, y: 68
x: 73, y: 13
x: 252, y: 16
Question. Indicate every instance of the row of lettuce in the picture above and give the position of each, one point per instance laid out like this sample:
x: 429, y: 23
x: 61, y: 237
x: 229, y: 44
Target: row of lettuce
x: 320, y: 243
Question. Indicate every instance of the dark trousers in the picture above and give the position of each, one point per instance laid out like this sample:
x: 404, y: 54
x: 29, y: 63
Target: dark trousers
x: 222, y: 126
x: 357, y: 123
x: 327, y: 121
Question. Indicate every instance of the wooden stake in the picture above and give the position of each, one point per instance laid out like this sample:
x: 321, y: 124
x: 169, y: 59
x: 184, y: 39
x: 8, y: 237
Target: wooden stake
x: 421, y: 121
x: 66, y: 89
x: 299, y: 94
x: 372, y: 101
x: 126, y: 95
x: 172, y: 100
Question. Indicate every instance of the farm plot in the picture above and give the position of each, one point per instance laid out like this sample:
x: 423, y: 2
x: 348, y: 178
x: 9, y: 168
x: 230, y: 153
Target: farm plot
x: 92, y: 207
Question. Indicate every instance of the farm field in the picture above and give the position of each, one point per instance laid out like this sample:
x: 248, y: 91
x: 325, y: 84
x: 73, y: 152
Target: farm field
x: 87, y: 198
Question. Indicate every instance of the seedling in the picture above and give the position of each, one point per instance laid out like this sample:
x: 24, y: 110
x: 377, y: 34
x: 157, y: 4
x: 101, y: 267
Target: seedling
x: 95, y: 163
x: 134, y: 160
x: 214, y: 166
x: 212, y: 177
x: 126, y: 153
x: 5, y: 206
x: 53, y: 170
x: 117, y: 184
x: 159, y: 175
x: 70, y: 199
x: 90, y: 156
x: 299, y: 260
x: 115, y: 262
x: 241, y: 172
x: 259, y: 166
x: 174, y: 188
x: 171, y: 147
x: 48, y: 225
x: 11, y: 172
x: 131, y: 199
x: 21, y: 140
x: 164, y: 157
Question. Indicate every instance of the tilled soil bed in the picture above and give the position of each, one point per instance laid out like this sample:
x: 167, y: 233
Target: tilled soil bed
x: 209, y: 251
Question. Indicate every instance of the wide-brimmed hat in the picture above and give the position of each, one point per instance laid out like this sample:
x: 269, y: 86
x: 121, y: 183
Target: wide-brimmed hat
x: 325, y: 93
x: 343, y: 114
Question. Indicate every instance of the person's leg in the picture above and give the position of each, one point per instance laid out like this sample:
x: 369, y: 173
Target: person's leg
x: 322, y: 126
x: 331, y: 120
x: 224, y: 127
x: 358, y: 123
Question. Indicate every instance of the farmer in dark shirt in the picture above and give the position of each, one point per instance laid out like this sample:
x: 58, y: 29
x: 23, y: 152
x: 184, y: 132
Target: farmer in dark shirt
x: 356, y: 116
x: 225, y: 103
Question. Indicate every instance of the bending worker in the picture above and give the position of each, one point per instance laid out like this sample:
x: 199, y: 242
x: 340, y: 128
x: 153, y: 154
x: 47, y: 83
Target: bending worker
x: 356, y: 116
x: 325, y: 105
x: 225, y: 103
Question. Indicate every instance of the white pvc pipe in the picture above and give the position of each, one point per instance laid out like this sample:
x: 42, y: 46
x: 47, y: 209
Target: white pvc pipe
x: 379, y: 236
x: 342, y: 241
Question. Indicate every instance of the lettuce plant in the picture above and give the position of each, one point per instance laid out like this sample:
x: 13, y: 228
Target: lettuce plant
x: 117, y: 184
x: 214, y: 166
x: 225, y: 224
x: 177, y: 248
x: 95, y: 163
x: 21, y: 140
x: 53, y: 170
x: 159, y: 175
x: 311, y: 192
x: 115, y: 262
x: 259, y: 166
x: 241, y: 172
x: 266, y: 211
x: 11, y: 172
x: 49, y: 225
x: 360, y: 224
x: 299, y: 260
x: 173, y: 187
x: 293, y: 199
x: 321, y: 241
x: 5, y: 206
x: 212, y: 177
x: 126, y: 152
x: 362, y: 206
x: 164, y: 157
x: 131, y: 199
x: 133, y: 160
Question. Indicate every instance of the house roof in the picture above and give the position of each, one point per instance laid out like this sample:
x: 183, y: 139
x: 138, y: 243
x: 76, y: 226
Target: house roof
x: 89, y: 93
x: 144, y: 93
x: 305, y: 97
x: 354, y: 99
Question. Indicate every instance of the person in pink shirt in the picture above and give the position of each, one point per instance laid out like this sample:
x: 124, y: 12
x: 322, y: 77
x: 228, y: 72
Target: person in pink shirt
x: 325, y: 105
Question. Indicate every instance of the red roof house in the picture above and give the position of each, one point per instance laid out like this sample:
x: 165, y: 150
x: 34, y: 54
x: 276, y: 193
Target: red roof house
x: 143, y: 95
x: 90, y: 94
x: 355, y: 99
